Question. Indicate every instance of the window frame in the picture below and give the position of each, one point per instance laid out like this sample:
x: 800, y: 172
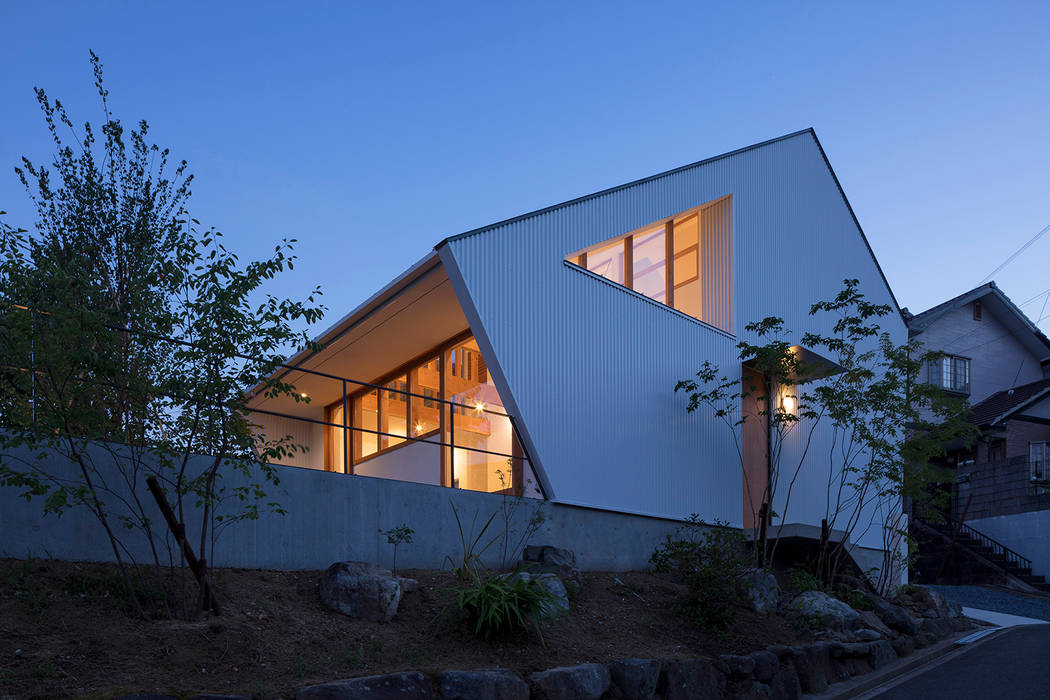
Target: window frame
x: 948, y: 357
x: 1044, y: 448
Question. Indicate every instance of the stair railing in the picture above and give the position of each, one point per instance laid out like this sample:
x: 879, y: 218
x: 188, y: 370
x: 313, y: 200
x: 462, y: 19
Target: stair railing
x: 984, y: 540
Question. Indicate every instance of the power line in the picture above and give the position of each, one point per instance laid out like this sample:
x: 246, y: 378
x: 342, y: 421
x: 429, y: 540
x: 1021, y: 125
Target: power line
x: 1020, y: 250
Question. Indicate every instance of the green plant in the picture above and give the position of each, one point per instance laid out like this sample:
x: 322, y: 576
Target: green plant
x: 803, y: 580
x: 681, y: 552
x: 473, y: 546
x: 854, y: 597
x: 503, y: 605
x: 27, y: 587
x: 509, y: 506
x: 811, y: 621
x: 402, y: 534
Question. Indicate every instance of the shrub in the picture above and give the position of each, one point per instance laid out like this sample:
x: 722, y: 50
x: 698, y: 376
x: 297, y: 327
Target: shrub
x: 803, y: 580
x: 503, y: 605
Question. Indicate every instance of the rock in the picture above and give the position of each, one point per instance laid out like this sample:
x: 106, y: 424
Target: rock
x: 686, y: 679
x: 143, y: 696
x: 545, y: 559
x: 762, y: 590
x: 871, y: 621
x: 945, y: 608
x: 411, y: 685
x: 785, y: 684
x: 408, y: 585
x: 895, y: 616
x: 738, y: 667
x: 495, y: 684
x: 216, y: 696
x: 813, y: 664
x: 880, y: 653
x: 559, y: 603
x: 765, y: 666
x: 903, y: 646
x: 833, y: 612
x: 583, y: 682
x: 637, y: 679
x: 939, y: 628
x: 745, y: 690
x: 361, y: 590
x: 866, y: 635
x: 923, y: 640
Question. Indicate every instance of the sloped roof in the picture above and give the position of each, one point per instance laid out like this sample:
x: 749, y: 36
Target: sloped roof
x: 1013, y: 318
x: 1003, y: 404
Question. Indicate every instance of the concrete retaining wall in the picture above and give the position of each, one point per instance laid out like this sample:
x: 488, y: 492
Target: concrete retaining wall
x: 333, y: 517
x: 1028, y: 534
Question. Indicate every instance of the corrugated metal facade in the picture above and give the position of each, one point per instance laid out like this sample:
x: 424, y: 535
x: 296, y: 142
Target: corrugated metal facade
x: 590, y: 366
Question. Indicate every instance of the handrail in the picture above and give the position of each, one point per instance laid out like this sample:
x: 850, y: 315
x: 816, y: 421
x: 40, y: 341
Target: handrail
x: 984, y: 540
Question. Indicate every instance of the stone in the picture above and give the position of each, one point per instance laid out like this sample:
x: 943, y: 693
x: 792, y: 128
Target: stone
x: 937, y: 627
x: 785, y: 684
x: 559, y: 604
x: 144, y: 696
x: 745, y: 690
x: 871, y: 621
x: 494, y: 684
x: 637, y: 679
x: 765, y: 666
x: 880, y: 653
x: 216, y: 696
x: 738, y: 667
x: 408, y: 585
x: 585, y: 682
x: 813, y: 664
x: 903, y: 646
x: 866, y: 635
x: 833, y: 613
x: 945, y: 608
x: 686, y: 679
x: 546, y: 559
x: 361, y: 590
x: 895, y: 616
x: 763, y: 593
x: 411, y: 685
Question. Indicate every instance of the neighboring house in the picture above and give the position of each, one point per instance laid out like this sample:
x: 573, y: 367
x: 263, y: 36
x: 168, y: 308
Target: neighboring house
x: 1000, y: 361
x: 539, y: 355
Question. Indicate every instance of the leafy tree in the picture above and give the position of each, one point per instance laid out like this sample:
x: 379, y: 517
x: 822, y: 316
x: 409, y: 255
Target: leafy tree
x: 130, y: 340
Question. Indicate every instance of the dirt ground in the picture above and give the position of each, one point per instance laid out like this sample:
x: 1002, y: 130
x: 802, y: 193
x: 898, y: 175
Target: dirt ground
x: 63, y: 631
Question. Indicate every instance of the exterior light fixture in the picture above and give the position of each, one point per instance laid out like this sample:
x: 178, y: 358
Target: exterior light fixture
x: 788, y: 403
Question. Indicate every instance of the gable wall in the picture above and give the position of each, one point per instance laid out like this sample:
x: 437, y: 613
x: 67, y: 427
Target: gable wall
x: 591, y: 367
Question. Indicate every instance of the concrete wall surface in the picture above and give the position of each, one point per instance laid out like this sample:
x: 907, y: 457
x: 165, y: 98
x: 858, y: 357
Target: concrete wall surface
x: 334, y: 517
x: 1028, y: 534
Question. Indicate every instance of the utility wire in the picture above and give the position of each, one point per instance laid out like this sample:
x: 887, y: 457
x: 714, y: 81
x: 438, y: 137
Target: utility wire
x: 1020, y: 250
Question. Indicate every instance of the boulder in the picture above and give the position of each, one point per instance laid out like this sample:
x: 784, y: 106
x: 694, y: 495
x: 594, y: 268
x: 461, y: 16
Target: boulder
x: 937, y: 627
x: 895, y: 616
x: 880, y: 653
x: 685, y: 679
x: 361, y: 590
x: 833, y: 613
x: 559, y: 603
x: 407, y: 584
x: 765, y: 666
x: 866, y: 635
x: 394, y: 686
x: 637, y: 679
x: 813, y: 664
x: 871, y: 621
x: 738, y: 667
x: 495, y: 684
x: 903, y: 646
x: 545, y: 559
x: 945, y: 608
x: 785, y: 684
x: 583, y: 682
x: 763, y: 593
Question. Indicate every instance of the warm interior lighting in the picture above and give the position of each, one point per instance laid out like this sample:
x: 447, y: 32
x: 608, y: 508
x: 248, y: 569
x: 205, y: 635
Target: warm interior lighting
x: 304, y: 395
x: 788, y: 403
x: 479, y: 406
x: 419, y: 428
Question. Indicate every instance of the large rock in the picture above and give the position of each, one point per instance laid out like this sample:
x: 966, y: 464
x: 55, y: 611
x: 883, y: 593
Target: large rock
x: 871, y: 621
x: 496, y: 684
x: 362, y: 590
x: 763, y: 593
x: 813, y: 664
x: 939, y: 628
x: 881, y: 653
x: 545, y: 559
x: 785, y: 684
x: 765, y: 666
x: 866, y: 635
x: 637, y: 679
x: 945, y: 608
x: 738, y: 667
x: 559, y: 602
x: 895, y: 616
x: 833, y: 613
x: 687, y: 679
x: 394, y: 686
x: 583, y: 682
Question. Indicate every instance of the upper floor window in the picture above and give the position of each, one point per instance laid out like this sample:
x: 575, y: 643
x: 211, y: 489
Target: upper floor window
x: 685, y: 262
x: 977, y: 310
x: 1038, y: 455
x: 951, y: 373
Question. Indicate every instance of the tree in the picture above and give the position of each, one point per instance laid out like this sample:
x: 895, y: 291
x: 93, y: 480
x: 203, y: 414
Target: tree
x: 885, y: 426
x: 130, y: 339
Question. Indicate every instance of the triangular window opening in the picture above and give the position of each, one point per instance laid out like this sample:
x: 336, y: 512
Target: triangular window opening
x: 699, y: 279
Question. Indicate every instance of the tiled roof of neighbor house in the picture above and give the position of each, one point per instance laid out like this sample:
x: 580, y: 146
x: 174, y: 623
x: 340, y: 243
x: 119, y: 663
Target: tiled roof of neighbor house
x: 1004, y: 403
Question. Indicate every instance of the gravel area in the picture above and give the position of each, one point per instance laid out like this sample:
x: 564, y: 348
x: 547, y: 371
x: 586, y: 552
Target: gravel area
x: 997, y: 601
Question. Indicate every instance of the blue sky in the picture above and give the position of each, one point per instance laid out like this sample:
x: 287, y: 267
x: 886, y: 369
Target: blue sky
x: 371, y: 131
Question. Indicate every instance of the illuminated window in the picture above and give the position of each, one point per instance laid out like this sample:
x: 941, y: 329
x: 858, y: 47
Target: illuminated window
x: 699, y: 279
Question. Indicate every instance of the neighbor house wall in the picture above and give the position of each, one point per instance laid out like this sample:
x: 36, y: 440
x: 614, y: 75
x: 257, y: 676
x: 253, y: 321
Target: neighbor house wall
x: 1026, y: 533
x: 590, y: 367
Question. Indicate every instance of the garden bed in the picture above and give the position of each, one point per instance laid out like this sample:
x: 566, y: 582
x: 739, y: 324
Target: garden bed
x: 63, y: 631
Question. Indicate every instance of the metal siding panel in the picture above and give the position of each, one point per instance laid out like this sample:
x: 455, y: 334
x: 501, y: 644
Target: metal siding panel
x: 592, y: 366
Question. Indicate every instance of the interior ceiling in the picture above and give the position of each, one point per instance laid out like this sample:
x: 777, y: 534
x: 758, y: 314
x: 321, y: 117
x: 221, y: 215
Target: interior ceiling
x: 420, y: 317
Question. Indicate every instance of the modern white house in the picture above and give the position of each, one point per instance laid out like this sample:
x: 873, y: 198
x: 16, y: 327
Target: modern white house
x: 539, y: 355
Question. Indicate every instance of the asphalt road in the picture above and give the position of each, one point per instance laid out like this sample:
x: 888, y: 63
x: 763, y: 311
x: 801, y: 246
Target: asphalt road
x: 1014, y: 664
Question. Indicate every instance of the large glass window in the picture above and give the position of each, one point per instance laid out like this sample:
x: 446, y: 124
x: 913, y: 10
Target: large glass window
x: 366, y: 415
x: 698, y: 278
x: 426, y: 409
x: 393, y: 413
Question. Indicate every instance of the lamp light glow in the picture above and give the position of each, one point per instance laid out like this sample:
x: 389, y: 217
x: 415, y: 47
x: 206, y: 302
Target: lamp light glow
x: 789, y: 403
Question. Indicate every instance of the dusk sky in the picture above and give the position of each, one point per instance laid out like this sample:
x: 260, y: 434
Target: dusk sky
x: 372, y: 131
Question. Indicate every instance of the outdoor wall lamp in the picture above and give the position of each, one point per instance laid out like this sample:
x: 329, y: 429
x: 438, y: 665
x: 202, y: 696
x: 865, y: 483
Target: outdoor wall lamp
x: 788, y: 403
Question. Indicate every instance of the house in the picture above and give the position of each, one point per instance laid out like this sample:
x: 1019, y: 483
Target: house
x: 995, y: 357
x: 538, y: 355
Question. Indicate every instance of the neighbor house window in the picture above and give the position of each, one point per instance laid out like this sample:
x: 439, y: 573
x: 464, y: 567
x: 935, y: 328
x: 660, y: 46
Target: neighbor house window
x: 685, y: 262
x: 951, y: 373
x: 1038, y: 454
